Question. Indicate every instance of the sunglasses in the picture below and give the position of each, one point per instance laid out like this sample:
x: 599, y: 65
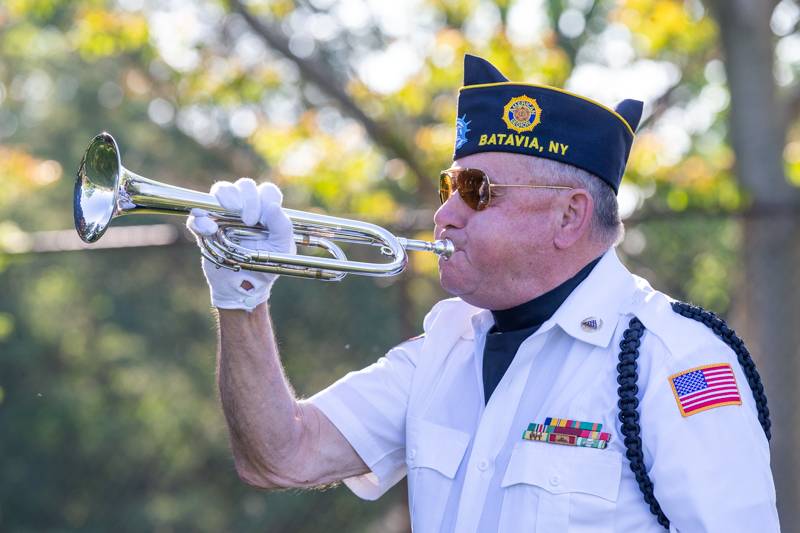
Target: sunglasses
x: 474, y: 187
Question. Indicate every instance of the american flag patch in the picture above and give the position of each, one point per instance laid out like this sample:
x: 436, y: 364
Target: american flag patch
x: 705, y: 387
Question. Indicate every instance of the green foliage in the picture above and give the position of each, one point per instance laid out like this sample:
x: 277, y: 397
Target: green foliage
x: 107, y: 400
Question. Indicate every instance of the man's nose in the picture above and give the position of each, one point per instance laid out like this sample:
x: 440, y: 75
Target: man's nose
x: 453, y: 213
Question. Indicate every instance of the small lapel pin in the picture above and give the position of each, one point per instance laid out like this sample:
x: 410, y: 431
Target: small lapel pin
x: 591, y: 324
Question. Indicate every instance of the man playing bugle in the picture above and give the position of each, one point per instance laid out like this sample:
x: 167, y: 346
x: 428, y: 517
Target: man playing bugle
x: 554, y: 392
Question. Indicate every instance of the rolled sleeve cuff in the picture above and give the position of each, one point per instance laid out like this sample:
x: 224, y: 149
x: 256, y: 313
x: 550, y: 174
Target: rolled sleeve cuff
x: 387, y: 467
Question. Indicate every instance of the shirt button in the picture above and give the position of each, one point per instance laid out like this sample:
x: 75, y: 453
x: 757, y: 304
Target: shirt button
x: 412, y: 454
x: 555, y: 480
x: 483, y: 465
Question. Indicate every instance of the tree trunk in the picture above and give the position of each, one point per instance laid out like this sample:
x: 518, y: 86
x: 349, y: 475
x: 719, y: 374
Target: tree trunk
x: 768, y: 308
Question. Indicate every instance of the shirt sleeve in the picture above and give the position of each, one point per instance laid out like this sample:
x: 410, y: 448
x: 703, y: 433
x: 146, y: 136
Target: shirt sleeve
x: 369, y: 408
x: 709, y: 462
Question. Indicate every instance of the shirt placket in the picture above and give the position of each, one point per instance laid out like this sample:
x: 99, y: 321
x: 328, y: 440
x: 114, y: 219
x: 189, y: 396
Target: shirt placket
x: 492, y: 432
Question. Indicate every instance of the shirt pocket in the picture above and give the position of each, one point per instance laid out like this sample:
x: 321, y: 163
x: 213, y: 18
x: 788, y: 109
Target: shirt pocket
x: 551, y: 487
x: 433, y: 455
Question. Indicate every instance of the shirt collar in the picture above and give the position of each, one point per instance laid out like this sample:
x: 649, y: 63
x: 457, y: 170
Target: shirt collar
x: 589, y: 313
x: 482, y: 322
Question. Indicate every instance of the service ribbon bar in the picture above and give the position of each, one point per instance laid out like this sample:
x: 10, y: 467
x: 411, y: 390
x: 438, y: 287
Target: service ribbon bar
x: 568, y: 432
x: 567, y: 423
x: 568, y: 440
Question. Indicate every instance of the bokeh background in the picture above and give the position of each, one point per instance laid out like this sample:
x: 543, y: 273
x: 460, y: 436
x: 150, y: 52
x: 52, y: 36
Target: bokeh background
x: 109, y: 417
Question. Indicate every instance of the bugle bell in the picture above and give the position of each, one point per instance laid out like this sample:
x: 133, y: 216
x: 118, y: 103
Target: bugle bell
x: 104, y: 190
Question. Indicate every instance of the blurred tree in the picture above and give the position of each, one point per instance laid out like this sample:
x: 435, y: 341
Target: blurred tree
x: 760, y: 117
x: 107, y: 397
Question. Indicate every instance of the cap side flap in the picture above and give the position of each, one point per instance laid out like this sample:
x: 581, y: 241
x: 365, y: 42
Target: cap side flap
x: 631, y: 111
x: 477, y: 70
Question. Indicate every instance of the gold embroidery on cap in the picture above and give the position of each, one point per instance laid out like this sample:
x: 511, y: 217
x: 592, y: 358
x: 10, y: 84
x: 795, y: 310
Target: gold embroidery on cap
x: 522, y: 113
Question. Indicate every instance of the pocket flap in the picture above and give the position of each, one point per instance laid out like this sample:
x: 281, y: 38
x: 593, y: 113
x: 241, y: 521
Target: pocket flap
x: 561, y: 469
x: 435, y: 446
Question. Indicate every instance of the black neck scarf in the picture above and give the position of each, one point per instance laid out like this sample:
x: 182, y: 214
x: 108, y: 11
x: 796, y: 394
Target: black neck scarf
x: 513, y: 326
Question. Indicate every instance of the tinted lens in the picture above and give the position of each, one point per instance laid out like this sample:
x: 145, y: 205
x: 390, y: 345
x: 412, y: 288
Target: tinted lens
x: 471, y: 183
x: 473, y: 186
x: 484, y: 192
x: 445, y: 186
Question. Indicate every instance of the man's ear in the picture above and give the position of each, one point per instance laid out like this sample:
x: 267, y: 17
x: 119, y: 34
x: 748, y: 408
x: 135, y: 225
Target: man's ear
x: 577, y: 208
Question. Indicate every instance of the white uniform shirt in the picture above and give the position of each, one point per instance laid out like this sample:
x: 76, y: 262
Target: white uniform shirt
x: 419, y: 411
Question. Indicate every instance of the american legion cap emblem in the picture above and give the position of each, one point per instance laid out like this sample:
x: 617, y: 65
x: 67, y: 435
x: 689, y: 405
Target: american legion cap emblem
x: 522, y: 113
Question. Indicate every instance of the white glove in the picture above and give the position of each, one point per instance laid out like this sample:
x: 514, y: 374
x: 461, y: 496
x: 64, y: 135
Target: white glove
x: 245, y: 289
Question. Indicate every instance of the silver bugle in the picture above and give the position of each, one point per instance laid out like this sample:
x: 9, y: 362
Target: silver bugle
x: 104, y: 190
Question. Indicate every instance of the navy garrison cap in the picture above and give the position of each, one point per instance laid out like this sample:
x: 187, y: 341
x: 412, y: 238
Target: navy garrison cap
x: 497, y: 115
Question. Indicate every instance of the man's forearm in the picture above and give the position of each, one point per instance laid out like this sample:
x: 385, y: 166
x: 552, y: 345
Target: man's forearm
x: 264, y: 419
